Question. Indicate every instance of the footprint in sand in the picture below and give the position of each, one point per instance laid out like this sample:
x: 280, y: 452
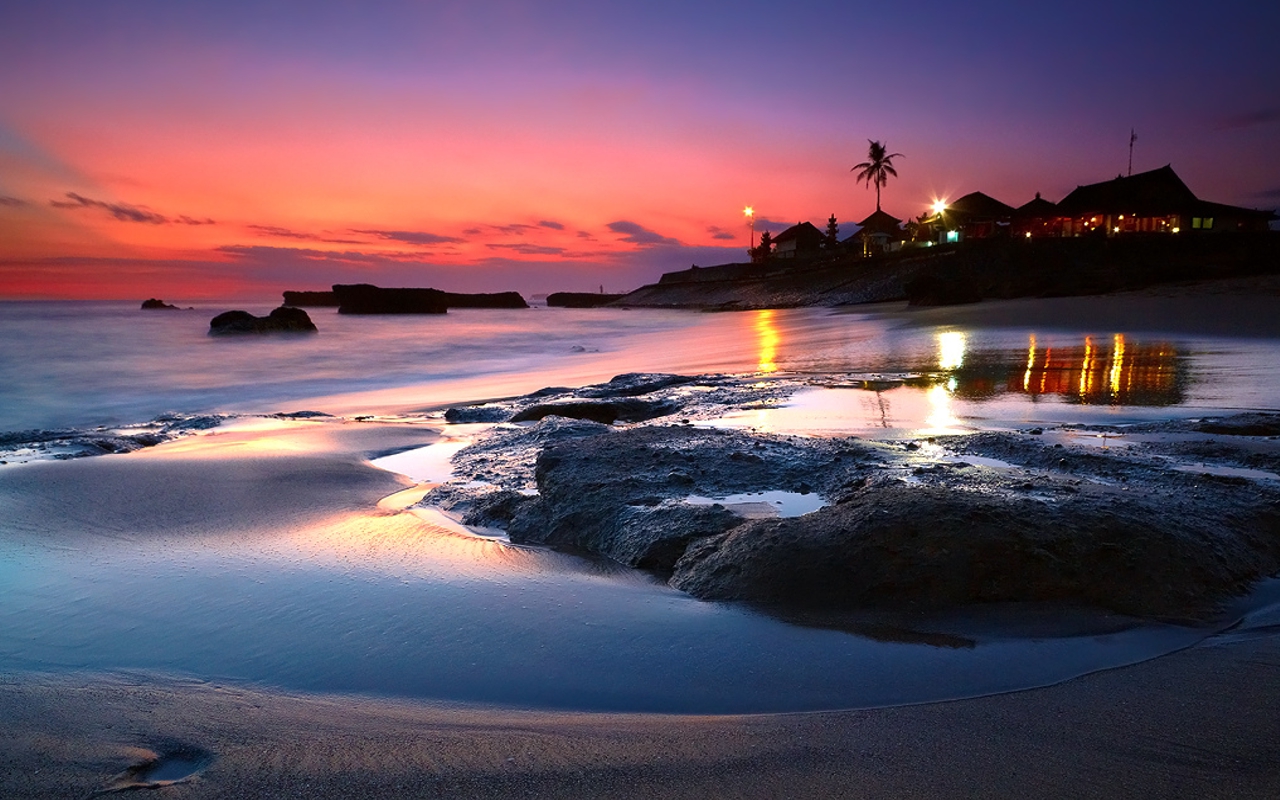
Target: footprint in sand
x: 163, y: 767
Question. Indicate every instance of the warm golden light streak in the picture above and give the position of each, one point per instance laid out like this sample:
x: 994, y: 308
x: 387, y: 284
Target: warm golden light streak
x: 1117, y: 364
x: 1086, y: 367
x: 768, y: 339
x: 1031, y: 363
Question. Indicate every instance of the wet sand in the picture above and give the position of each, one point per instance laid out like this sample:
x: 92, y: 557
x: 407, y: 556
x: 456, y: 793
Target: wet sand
x: 1198, y: 723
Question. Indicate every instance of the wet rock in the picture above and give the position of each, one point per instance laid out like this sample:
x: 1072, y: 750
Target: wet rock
x: 605, y: 411
x: 620, y: 494
x: 281, y: 320
x: 471, y: 414
x: 1243, y: 425
x: 633, y: 384
x: 945, y: 546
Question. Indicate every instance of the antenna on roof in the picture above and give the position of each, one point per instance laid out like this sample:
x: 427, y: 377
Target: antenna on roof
x: 1133, y: 137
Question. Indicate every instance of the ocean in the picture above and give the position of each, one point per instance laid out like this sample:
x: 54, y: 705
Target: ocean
x: 208, y: 574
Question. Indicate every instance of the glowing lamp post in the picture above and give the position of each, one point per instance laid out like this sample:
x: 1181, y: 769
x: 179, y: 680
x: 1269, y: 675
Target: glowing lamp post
x: 750, y: 214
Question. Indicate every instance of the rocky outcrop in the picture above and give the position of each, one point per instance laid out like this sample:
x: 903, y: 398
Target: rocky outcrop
x: 156, y: 304
x: 1136, y: 530
x: 485, y: 300
x: 280, y: 320
x: 311, y: 299
x: 364, y: 298
x: 580, y: 299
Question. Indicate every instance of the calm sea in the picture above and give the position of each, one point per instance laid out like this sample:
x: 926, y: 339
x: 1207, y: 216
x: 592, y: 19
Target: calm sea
x: 80, y: 364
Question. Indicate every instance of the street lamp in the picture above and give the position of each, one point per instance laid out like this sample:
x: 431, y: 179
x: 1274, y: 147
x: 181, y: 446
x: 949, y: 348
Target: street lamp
x: 750, y: 214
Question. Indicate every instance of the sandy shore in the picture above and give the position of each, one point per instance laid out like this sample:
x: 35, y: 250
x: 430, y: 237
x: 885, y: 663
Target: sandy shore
x: 1198, y: 723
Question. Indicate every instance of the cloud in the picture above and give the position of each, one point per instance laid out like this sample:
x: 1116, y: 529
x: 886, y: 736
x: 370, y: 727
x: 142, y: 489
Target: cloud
x: 555, y: 226
x: 266, y: 253
x: 514, y: 229
x: 1269, y: 194
x: 636, y: 233
x: 771, y: 225
x: 720, y: 233
x: 586, y: 235
x: 528, y: 249
x: 411, y: 237
x: 11, y: 202
x: 287, y: 233
x: 126, y: 212
x: 471, y: 232
x: 121, y: 211
x: 1262, y: 116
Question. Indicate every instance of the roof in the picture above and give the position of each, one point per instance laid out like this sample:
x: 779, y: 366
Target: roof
x: 880, y: 222
x: 1158, y: 192
x: 977, y: 205
x: 1036, y: 208
x: 803, y: 232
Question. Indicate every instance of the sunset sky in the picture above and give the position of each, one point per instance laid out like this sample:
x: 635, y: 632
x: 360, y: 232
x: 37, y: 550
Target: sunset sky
x: 234, y: 149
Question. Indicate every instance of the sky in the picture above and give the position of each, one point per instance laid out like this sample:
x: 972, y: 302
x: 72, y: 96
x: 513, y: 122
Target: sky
x: 201, y: 150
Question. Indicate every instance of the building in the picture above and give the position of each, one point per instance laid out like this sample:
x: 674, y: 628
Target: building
x: 878, y: 233
x: 801, y: 240
x: 1037, y: 219
x: 974, y: 216
x: 1151, y: 202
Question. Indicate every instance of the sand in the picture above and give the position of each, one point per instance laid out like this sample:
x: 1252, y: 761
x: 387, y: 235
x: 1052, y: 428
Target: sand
x: 1198, y: 723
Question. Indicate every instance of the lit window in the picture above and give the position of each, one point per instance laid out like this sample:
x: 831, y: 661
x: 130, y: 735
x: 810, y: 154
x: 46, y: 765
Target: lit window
x: 1195, y: 222
x: 1208, y: 223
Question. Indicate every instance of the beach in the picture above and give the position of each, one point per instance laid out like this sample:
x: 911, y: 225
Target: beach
x: 235, y: 610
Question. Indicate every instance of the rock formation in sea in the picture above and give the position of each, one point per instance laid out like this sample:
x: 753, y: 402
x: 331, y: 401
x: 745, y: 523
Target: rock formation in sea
x: 310, y: 299
x: 364, y: 298
x: 156, y: 304
x: 280, y: 320
x: 580, y: 299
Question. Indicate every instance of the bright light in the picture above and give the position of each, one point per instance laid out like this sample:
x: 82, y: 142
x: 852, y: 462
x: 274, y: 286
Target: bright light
x: 939, y: 206
x: 951, y: 347
x: 1116, y: 229
x: 1176, y: 229
x: 748, y: 211
x: 1028, y: 234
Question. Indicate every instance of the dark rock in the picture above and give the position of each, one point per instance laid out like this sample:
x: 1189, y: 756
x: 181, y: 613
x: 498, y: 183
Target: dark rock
x: 280, y: 320
x: 1243, y: 425
x: 944, y: 546
x: 156, y: 304
x: 632, y: 384
x: 310, y: 299
x: 580, y: 299
x: 606, y: 411
x: 485, y: 300
x: 466, y: 414
x: 364, y: 298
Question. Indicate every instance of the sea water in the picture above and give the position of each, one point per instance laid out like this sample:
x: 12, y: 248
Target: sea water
x: 448, y: 617
x: 80, y: 364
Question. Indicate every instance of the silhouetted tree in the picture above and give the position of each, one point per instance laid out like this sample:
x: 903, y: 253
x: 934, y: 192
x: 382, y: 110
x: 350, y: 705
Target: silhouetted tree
x: 765, y: 249
x: 832, y: 239
x: 877, y: 168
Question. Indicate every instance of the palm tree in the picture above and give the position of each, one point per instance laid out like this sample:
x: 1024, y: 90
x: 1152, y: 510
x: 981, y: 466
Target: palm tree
x: 877, y: 168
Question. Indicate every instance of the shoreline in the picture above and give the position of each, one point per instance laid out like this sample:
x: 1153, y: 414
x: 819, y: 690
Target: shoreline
x: 1197, y: 723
